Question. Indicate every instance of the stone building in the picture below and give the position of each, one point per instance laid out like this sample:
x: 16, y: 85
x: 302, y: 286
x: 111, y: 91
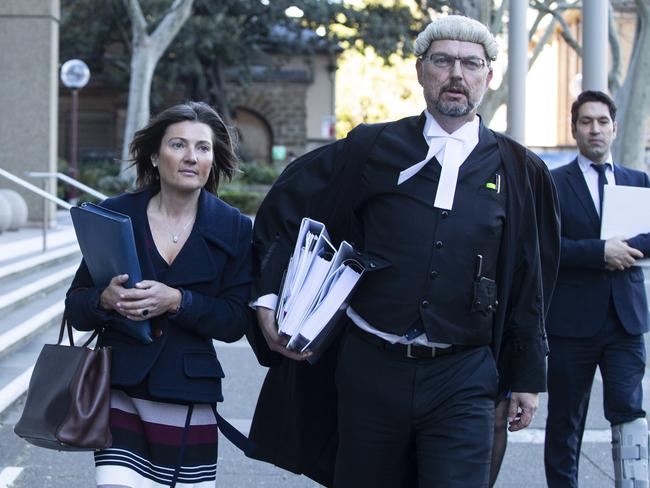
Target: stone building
x: 280, y: 113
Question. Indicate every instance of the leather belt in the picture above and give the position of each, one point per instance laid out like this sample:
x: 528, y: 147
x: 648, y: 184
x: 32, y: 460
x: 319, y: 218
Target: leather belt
x: 411, y: 351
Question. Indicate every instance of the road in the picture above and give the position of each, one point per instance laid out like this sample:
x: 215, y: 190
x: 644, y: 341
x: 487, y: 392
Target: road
x: 24, y: 466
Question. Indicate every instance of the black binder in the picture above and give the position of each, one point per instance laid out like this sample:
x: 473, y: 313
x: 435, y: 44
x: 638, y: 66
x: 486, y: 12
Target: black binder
x: 106, y: 241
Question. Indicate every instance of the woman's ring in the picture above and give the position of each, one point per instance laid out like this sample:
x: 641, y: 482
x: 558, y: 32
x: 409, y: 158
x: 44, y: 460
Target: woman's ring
x: 145, y: 312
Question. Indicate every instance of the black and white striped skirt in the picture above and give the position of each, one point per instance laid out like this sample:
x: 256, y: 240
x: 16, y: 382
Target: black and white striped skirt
x: 158, y: 444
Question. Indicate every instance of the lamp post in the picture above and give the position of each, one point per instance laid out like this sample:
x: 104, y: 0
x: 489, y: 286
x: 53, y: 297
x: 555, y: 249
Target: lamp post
x: 74, y: 75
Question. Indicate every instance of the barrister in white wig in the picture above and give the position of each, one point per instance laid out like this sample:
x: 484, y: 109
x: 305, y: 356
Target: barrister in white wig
x: 459, y: 227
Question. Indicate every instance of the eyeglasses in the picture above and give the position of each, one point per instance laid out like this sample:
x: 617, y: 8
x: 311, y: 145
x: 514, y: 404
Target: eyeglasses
x: 445, y: 61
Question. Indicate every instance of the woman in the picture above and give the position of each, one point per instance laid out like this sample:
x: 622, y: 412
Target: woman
x: 194, y: 252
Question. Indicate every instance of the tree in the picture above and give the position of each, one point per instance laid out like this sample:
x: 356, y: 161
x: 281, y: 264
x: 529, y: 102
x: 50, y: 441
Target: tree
x: 230, y: 37
x: 146, y: 50
x: 633, y: 98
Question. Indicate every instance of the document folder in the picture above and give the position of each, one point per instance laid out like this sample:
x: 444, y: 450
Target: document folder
x: 315, y: 290
x: 625, y: 211
x: 108, y: 247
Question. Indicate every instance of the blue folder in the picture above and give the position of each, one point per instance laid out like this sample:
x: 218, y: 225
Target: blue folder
x: 106, y: 241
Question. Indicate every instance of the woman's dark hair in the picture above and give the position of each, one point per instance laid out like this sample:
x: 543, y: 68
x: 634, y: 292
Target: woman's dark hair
x: 146, y: 142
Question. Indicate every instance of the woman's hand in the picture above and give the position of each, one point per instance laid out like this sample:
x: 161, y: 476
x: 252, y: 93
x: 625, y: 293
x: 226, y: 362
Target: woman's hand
x: 148, y: 299
x: 276, y: 342
x: 110, y: 297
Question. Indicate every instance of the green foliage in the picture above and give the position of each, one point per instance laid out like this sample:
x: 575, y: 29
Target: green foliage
x: 225, y: 39
x: 99, y: 174
x: 258, y: 173
x: 245, y: 200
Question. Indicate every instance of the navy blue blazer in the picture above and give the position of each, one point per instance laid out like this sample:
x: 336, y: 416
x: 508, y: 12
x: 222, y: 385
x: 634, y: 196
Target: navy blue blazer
x: 214, y: 270
x: 583, y: 287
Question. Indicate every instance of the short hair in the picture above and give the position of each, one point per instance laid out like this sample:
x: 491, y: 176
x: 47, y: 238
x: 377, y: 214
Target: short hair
x: 457, y: 28
x: 592, y: 96
x: 146, y: 142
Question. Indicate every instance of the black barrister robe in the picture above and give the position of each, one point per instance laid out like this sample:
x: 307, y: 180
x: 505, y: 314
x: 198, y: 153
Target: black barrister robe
x: 295, y: 420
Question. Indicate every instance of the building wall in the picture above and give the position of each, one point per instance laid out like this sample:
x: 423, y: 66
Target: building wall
x: 287, y: 109
x: 29, y: 45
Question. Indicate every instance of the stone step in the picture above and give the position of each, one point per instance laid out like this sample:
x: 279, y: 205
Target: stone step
x: 35, y: 261
x: 29, y: 286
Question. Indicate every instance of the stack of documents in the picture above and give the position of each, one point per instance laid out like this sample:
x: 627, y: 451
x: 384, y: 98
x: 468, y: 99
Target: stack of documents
x: 317, y: 283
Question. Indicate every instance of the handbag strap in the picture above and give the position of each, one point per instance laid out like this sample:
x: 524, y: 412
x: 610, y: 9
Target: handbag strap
x: 65, y: 324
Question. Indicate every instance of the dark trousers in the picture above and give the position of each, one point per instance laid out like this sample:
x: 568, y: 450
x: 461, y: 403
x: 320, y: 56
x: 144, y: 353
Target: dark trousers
x: 571, y: 368
x: 414, y: 422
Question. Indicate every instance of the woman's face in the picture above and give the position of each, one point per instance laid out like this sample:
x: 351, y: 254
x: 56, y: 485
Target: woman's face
x: 185, y: 157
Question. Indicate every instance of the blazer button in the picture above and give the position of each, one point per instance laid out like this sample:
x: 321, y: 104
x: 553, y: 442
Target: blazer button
x: 433, y: 274
x: 425, y: 303
x: 444, y: 214
x: 157, y: 333
x: 438, y: 244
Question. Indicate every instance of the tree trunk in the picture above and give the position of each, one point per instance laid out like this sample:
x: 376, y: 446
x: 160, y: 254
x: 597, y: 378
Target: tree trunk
x: 147, y: 50
x: 143, y: 65
x: 633, y: 98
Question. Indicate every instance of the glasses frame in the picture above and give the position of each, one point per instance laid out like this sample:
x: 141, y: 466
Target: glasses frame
x: 461, y: 59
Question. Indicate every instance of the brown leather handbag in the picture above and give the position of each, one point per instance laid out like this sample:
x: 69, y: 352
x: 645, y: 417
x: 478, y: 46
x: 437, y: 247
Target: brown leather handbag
x: 68, y: 400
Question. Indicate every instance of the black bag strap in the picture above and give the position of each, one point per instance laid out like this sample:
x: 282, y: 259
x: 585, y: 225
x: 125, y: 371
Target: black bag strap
x: 65, y: 325
x: 231, y: 433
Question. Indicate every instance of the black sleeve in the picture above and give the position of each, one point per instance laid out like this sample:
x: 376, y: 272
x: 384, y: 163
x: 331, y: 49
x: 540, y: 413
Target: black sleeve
x: 538, y: 255
x: 321, y: 185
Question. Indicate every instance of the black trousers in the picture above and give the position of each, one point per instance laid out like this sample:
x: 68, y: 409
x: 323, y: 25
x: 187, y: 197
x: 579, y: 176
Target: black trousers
x: 414, y: 422
x: 572, y: 364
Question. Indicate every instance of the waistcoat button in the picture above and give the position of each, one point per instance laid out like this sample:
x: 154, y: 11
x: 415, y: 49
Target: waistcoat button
x: 438, y: 244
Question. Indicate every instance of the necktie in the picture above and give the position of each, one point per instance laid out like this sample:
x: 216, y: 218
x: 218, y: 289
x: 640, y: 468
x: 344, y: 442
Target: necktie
x: 602, y: 181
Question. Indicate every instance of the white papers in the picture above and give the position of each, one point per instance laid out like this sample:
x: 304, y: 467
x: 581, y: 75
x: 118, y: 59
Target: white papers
x: 625, y: 211
x: 317, y: 283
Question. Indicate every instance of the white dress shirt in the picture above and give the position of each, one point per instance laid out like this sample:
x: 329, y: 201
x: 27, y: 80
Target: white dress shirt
x: 591, y: 177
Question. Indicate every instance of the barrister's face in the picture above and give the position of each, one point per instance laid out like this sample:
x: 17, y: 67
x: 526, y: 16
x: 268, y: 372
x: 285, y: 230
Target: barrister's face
x: 594, y: 131
x: 454, y: 91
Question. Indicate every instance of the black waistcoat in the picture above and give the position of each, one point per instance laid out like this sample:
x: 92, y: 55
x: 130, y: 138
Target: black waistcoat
x: 432, y: 282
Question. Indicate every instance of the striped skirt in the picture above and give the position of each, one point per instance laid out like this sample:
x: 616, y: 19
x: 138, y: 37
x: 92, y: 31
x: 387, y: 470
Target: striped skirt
x: 158, y: 444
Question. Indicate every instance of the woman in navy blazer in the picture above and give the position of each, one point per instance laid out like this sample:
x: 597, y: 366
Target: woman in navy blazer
x: 195, y: 257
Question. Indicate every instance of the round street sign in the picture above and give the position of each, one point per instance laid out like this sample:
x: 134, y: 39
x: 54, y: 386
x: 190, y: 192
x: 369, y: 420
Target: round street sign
x: 75, y: 73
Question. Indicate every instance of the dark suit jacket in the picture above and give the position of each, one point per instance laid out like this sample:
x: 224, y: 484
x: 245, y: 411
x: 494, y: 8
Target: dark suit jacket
x: 584, y: 286
x: 295, y: 421
x: 214, y: 269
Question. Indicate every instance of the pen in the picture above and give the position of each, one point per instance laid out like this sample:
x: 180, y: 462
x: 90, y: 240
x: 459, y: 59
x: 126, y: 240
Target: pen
x: 479, y: 266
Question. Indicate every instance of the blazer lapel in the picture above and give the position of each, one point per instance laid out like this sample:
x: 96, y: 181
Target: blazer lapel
x: 577, y: 182
x: 216, y: 225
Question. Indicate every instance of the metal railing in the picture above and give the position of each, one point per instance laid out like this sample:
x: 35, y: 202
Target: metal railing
x: 71, y: 181
x: 34, y: 189
x: 43, y: 193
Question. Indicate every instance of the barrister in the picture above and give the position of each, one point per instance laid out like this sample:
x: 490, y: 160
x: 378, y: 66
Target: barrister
x: 450, y: 218
x: 599, y: 311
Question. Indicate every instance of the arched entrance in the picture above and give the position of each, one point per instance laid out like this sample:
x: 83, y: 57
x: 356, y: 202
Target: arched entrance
x: 255, y: 135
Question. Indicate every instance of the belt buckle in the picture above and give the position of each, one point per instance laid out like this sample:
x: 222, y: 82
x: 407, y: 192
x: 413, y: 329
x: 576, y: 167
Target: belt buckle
x: 409, y: 348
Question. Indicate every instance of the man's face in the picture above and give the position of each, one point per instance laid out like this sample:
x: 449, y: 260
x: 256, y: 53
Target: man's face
x: 594, y: 131
x: 453, y: 91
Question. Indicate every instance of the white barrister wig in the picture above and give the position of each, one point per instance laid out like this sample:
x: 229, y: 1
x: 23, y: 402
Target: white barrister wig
x: 457, y: 28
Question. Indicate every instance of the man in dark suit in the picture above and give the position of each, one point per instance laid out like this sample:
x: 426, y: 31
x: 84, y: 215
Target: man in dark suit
x: 459, y: 230
x: 599, y: 311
